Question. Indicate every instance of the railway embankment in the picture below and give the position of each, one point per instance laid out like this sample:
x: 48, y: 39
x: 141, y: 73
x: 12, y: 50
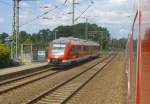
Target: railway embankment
x: 108, y: 87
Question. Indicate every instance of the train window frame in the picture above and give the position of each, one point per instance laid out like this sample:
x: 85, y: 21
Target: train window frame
x: 55, y: 46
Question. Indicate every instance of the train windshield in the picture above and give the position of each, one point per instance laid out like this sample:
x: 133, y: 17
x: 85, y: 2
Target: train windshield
x: 58, y: 49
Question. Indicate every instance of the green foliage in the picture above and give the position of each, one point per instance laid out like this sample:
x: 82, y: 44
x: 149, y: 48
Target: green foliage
x: 4, y: 55
x: 2, y: 37
x: 42, y: 37
x: 119, y: 43
x: 101, y: 34
x: 63, y: 31
x: 25, y: 38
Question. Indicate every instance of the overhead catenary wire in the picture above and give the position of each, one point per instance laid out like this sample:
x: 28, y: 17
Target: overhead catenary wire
x: 10, y: 5
x: 65, y: 2
x: 50, y: 11
x: 82, y: 12
x: 38, y: 17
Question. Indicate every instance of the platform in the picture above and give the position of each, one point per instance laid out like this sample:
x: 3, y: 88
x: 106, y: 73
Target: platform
x: 7, y: 73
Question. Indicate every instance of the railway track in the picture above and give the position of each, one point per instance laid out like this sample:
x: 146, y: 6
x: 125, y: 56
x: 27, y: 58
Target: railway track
x: 23, y: 76
x: 27, y: 87
x: 24, y: 80
x: 13, y: 83
x: 63, y: 91
x: 26, y: 76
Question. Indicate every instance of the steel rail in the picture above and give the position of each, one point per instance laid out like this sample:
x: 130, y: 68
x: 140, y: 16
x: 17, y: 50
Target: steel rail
x: 24, y: 76
x: 31, y: 81
x: 80, y: 87
x: 50, y: 90
x: 5, y: 90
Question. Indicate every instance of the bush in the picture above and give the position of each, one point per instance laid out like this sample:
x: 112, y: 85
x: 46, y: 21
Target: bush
x: 4, y: 55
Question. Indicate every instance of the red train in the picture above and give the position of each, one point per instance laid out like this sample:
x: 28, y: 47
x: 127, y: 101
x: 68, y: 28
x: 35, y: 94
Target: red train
x: 138, y: 56
x: 66, y: 51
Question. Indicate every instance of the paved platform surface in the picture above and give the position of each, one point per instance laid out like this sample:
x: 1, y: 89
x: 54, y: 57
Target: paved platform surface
x: 10, y: 70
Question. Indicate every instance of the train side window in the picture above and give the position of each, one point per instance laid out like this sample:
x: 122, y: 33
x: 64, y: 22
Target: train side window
x: 71, y: 51
x: 79, y: 47
x: 76, y: 49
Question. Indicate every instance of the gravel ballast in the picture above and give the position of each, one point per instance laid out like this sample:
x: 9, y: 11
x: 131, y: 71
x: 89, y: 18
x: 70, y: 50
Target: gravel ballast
x: 108, y: 87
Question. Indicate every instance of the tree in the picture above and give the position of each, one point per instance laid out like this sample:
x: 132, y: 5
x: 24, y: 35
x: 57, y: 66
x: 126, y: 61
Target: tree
x: 98, y: 33
x: 25, y: 38
x: 42, y: 37
x: 2, y: 37
x: 4, y: 55
x: 63, y: 31
x: 119, y: 43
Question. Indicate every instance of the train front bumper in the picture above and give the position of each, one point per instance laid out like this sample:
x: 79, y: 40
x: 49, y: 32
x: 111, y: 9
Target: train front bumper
x: 58, y: 62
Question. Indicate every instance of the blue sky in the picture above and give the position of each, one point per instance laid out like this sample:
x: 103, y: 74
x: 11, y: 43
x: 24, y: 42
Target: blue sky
x: 113, y: 14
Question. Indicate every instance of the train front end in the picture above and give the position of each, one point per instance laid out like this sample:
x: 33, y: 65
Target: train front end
x: 56, y: 53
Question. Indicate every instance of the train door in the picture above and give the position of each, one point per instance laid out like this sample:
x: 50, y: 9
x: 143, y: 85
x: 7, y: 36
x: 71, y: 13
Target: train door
x: 139, y: 57
x: 144, y: 72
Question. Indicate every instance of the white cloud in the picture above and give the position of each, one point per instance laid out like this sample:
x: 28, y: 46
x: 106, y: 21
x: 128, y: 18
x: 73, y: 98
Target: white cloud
x: 106, y: 13
x: 110, y: 13
x: 24, y: 4
x: 1, y: 20
x: 26, y: 16
x: 117, y: 1
x: 122, y: 31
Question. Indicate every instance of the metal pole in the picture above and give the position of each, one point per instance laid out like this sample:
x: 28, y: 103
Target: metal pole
x: 22, y: 52
x: 102, y: 40
x: 73, y: 12
x: 31, y: 53
x: 17, y: 27
x: 14, y: 15
x: 13, y: 28
x: 55, y: 34
x: 11, y: 51
x: 86, y: 29
x: 101, y: 44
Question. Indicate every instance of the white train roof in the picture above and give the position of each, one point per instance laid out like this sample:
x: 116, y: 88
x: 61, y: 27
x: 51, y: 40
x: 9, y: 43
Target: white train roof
x: 75, y: 41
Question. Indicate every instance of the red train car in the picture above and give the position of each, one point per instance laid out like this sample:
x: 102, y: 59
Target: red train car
x: 139, y: 54
x: 66, y: 51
